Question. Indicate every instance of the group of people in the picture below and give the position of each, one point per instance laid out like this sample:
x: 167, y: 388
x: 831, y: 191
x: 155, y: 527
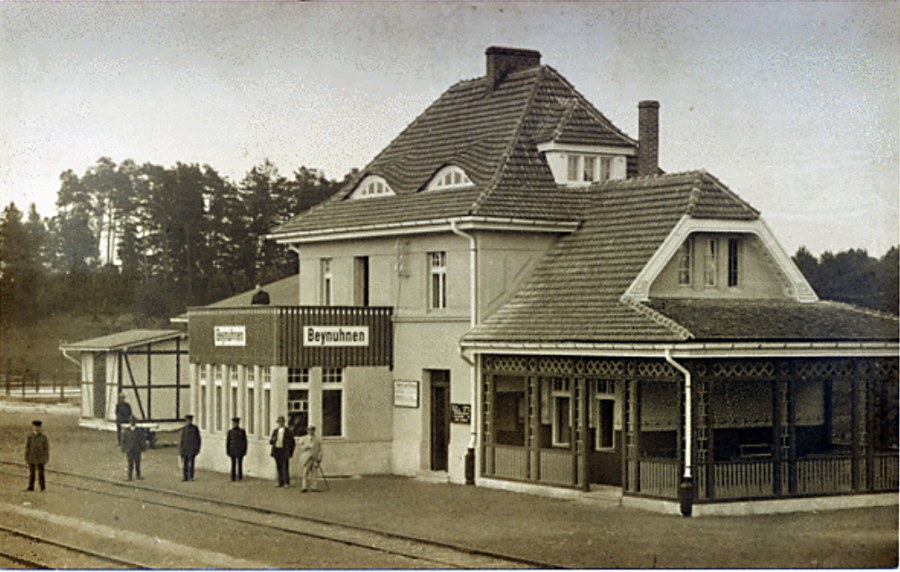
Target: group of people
x: 283, y: 443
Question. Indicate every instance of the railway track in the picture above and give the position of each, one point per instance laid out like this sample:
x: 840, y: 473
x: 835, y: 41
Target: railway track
x: 32, y: 551
x: 416, y: 552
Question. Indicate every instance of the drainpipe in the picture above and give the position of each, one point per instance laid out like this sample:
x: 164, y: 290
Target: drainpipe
x: 70, y: 358
x: 686, y: 489
x: 473, y: 313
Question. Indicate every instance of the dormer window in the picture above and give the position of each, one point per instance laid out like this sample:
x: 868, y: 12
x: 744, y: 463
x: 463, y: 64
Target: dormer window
x: 581, y: 165
x: 370, y: 187
x: 451, y: 177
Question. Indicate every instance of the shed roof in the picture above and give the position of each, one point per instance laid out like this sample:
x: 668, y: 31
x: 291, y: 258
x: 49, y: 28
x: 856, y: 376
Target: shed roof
x: 123, y: 340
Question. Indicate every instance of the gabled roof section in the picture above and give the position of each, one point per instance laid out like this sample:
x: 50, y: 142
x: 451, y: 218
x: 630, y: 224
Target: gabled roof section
x: 492, y: 136
x: 574, y: 294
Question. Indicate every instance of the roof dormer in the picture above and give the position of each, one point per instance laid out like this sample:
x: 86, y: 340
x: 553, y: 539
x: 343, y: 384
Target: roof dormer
x: 450, y: 177
x: 370, y: 187
x: 582, y: 165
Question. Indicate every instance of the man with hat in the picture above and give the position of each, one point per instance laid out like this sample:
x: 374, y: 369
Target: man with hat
x: 282, y: 442
x: 133, y: 444
x: 190, y: 447
x: 310, y: 457
x: 236, y: 448
x: 123, y: 416
x: 37, y: 454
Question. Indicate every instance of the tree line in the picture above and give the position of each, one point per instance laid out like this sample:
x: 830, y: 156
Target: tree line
x: 153, y: 240
x: 854, y: 277
x: 149, y: 239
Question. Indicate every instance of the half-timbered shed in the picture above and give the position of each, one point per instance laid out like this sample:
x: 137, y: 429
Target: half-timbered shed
x: 148, y: 368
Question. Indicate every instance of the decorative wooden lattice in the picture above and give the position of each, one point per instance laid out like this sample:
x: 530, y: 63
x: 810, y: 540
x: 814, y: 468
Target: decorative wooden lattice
x: 824, y: 368
x: 602, y: 368
x: 656, y: 369
x: 509, y: 363
x: 752, y: 369
x: 556, y: 365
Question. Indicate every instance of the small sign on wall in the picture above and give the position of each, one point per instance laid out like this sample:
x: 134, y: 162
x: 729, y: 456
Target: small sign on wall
x: 461, y: 413
x: 406, y: 393
x: 230, y: 336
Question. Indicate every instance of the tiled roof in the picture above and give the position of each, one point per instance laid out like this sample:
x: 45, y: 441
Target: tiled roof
x: 123, y: 340
x: 284, y: 292
x: 777, y: 320
x: 493, y: 137
x: 574, y: 293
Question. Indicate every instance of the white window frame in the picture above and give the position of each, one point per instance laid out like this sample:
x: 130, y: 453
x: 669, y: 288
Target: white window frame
x: 266, y: 375
x: 450, y: 177
x: 685, y: 261
x: 710, y: 264
x: 250, y: 399
x: 327, y: 282
x: 203, y: 375
x: 437, y: 280
x: 603, y: 390
x: 561, y: 388
x: 371, y: 187
x: 734, y: 262
x: 333, y: 380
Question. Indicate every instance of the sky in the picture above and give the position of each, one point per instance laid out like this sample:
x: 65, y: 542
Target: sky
x: 793, y: 106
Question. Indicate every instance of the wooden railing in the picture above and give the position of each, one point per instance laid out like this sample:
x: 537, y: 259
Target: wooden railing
x: 743, y: 479
x: 509, y: 462
x: 558, y: 467
x: 660, y: 477
x: 885, y: 472
x: 544, y: 466
x: 823, y: 475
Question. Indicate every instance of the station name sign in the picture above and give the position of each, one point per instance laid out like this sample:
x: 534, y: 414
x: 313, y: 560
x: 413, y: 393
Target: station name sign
x: 335, y: 336
x: 230, y: 336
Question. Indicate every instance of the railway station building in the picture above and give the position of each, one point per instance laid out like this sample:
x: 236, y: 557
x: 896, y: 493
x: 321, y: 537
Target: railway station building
x: 513, y: 294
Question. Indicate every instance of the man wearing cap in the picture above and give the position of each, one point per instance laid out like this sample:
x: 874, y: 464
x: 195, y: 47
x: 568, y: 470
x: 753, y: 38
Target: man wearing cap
x: 310, y: 457
x: 236, y: 448
x: 123, y: 416
x: 282, y: 442
x: 37, y: 454
x: 190, y: 447
x: 133, y: 444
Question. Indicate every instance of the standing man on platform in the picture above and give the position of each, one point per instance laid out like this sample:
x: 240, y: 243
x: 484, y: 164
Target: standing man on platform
x: 123, y: 416
x: 133, y: 444
x: 190, y: 447
x: 310, y: 458
x: 236, y: 448
x: 37, y: 454
x: 282, y: 442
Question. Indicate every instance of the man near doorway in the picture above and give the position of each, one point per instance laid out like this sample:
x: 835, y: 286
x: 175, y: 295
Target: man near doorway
x: 123, y: 416
x: 282, y: 442
x: 310, y: 458
x: 189, y: 448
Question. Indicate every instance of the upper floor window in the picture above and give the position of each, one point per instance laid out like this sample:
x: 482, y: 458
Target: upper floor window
x: 372, y: 186
x: 437, y: 262
x: 684, y: 262
x: 326, y: 285
x: 586, y: 169
x: 710, y: 266
x: 733, y: 261
x: 450, y: 177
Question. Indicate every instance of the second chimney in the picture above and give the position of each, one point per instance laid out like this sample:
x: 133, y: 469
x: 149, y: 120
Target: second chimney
x: 503, y: 61
x: 648, y: 138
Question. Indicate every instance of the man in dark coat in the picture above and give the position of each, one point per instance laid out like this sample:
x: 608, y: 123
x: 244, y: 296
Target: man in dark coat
x: 236, y: 448
x: 133, y: 444
x: 282, y: 442
x: 123, y: 416
x: 37, y: 454
x: 190, y: 447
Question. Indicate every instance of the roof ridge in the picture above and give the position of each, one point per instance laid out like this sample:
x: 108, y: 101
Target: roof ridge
x: 657, y: 317
x: 861, y: 310
x: 589, y: 107
x: 514, y: 138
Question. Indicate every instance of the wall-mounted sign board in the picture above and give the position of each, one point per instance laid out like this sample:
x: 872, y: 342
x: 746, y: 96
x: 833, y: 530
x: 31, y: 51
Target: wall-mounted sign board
x: 406, y: 393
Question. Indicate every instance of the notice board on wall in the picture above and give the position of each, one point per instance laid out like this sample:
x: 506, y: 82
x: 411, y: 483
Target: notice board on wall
x: 406, y: 393
x: 461, y: 413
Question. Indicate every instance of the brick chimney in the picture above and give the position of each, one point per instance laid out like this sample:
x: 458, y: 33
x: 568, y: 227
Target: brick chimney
x: 503, y: 61
x: 648, y: 138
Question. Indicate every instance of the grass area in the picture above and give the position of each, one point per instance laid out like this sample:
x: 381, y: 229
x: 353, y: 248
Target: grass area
x: 34, y: 347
